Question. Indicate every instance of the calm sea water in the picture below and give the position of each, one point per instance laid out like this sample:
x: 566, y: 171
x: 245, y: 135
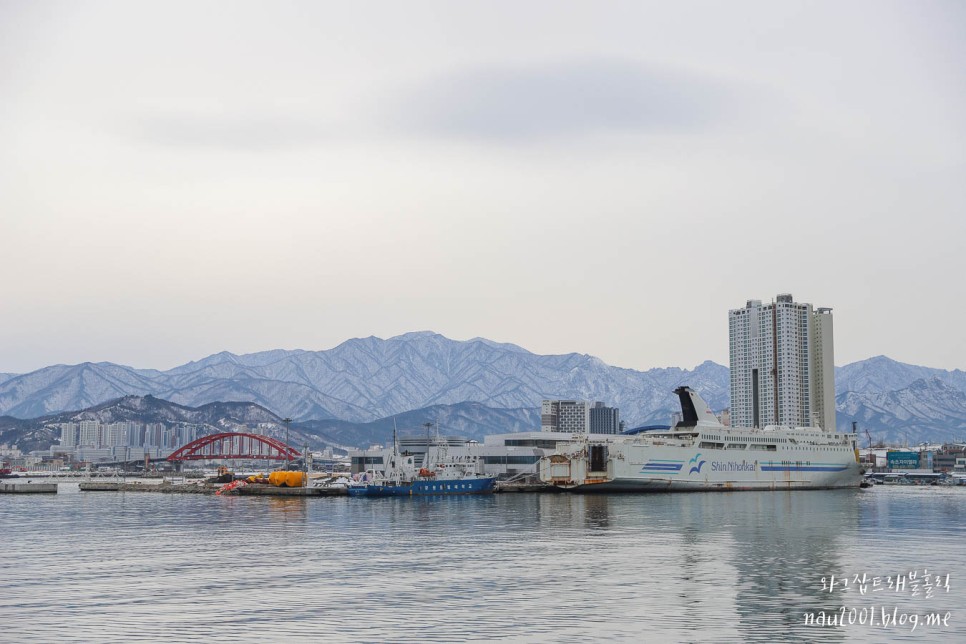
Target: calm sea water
x: 107, y: 567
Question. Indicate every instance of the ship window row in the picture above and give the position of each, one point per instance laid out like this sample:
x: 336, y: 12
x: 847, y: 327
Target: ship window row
x: 510, y: 460
x: 545, y: 444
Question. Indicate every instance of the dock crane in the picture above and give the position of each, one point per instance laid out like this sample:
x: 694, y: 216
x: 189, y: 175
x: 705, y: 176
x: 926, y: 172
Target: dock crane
x: 855, y: 430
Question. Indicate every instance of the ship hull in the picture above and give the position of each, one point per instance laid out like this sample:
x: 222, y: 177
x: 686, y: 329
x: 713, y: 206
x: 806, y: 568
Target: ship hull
x: 729, y: 485
x: 445, y: 487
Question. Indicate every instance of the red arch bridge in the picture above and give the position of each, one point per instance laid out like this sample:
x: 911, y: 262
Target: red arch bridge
x: 229, y: 445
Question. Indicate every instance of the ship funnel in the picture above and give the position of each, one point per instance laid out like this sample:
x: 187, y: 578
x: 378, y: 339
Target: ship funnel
x: 694, y: 410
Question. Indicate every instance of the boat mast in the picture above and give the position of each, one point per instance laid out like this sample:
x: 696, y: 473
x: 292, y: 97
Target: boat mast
x: 394, y: 459
x: 427, y: 462
x: 442, y: 447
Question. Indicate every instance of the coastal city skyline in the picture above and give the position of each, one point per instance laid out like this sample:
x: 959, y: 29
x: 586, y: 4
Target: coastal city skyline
x: 181, y: 179
x: 385, y: 322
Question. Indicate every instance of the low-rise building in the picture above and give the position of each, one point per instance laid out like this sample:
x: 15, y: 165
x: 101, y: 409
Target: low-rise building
x: 504, y: 455
x: 579, y: 416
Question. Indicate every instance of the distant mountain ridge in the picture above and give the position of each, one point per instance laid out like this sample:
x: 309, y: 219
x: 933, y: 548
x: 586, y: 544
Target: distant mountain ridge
x: 225, y: 416
x: 368, y: 378
x: 364, y: 380
x: 881, y: 373
x: 470, y: 420
x: 926, y: 411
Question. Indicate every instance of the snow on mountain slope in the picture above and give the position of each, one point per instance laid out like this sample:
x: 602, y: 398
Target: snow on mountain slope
x: 885, y: 374
x: 366, y: 379
x: 925, y: 411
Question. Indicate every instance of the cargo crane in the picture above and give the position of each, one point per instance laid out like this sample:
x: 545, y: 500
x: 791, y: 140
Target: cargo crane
x: 855, y: 430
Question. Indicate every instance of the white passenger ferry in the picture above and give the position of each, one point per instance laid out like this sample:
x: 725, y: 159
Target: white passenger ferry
x: 700, y: 453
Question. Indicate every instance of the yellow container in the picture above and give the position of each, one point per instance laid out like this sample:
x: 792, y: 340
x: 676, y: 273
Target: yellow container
x: 287, y: 479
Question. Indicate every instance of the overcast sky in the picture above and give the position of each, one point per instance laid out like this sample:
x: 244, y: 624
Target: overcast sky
x: 181, y: 178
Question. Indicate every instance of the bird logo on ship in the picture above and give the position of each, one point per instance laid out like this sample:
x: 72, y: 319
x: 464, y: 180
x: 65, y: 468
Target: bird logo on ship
x: 695, y: 468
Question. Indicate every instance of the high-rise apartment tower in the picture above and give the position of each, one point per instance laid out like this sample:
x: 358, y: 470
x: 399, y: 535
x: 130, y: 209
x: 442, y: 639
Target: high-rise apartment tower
x: 782, y: 370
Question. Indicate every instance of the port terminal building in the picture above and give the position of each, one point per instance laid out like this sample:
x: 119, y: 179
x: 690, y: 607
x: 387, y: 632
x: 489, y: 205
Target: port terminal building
x: 503, y: 455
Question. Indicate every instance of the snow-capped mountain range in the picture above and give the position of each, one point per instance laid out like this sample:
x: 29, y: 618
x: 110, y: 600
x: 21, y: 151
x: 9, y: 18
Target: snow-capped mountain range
x: 366, y: 379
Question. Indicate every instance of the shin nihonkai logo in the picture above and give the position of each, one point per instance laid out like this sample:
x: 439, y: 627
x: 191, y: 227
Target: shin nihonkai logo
x: 695, y: 468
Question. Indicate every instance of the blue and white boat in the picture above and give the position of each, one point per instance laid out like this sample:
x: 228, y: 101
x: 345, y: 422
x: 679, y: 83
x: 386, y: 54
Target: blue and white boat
x: 441, y: 475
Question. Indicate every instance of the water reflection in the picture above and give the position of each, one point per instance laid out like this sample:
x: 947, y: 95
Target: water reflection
x: 694, y: 567
x: 596, y: 511
x: 783, y: 544
x: 286, y: 509
x: 754, y: 561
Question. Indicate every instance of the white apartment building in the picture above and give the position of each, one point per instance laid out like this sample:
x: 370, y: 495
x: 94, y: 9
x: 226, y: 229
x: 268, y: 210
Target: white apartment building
x: 135, y: 434
x: 92, y: 434
x: 115, y: 434
x: 68, y: 434
x: 154, y: 434
x: 89, y: 434
x: 782, y: 370
x: 565, y: 416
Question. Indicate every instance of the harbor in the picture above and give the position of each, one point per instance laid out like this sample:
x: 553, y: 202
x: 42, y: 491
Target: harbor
x: 462, y: 322
x: 180, y: 485
x: 167, y: 563
x: 200, y: 487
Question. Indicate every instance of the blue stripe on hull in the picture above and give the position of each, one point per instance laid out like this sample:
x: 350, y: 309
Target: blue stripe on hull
x: 661, y: 465
x: 428, y: 488
x: 803, y: 468
x: 460, y: 486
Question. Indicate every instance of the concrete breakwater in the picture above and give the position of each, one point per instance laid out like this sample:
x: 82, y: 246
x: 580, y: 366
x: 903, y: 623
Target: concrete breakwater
x: 163, y: 488
x: 28, y: 488
x: 271, y: 490
x: 207, y: 488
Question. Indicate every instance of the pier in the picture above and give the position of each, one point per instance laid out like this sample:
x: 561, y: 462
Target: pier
x: 205, y: 487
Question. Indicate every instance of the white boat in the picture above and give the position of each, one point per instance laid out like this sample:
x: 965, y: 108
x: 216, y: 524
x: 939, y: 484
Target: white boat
x: 440, y: 475
x: 700, y: 453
